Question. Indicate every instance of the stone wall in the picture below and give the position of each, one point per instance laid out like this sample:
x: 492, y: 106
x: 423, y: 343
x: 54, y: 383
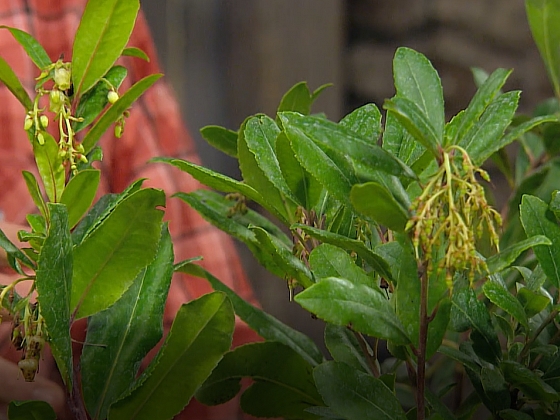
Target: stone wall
x: 454, y: 34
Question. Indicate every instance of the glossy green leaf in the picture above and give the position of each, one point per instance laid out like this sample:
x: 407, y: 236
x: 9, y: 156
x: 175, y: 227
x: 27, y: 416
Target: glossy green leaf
x: 355, y: 395
x: 495, y: 386
x: 503, y: 299
x: 14, y: 254
x: 32, y: 47
x: 122, y: 335
x: 341, y: 302
x: 528, y: 382
x: 54, y: 283
x: 213, y: 179
x: 343, y: 141
x: 30, y: 410
x: 417, y: 80
x: 469, y: 312
x: 79, y: 194
x: 487, y: 136
x: 299, y: 98
x: 108, y: 260
x: 304, y: 187
x: 221, y: 138
x: 135, y: 52
x: 116, y: 110
x: 506, y: 257
x: 400, y: 143
x: 200, y: 335
x: 50, y: 167
x: 375, y: 260
x: 284, y: 388
x: 415, y: 122
x: 532, y: 302
x: 373, y: 200
x: 103, y: 33
x: 543, y: 16
x: 35, y: 191
x: 484, y: 95
x: 344, y: 347
x: 537, y: 219
x: 93, y: 102
x: 11, y: 81
x: 365, y: 121
x: 261, y: 322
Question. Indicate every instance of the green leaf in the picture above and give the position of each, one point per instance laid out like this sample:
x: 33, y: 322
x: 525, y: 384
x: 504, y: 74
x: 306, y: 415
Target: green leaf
x: 533, y: 302
x: 32, y: 47
x: 495, y: 386
x: 11, y: 81
x: 14, y: 254
x: 35, y: 191
x: 262, y: 323
x: 528, y: 382
x: 537, y: 219
x: 468, y: 312
x: 480, y: 101
x: 341, y: 302
x: 342, y: 141
x: 503, y: 299
x: 120, y: 337
x: 221, y: 138
x: 93, y: 102
x: 49, y: 164
x: 304, y: 187
x: 355, y: 395
x: 487, y: 136
x: 373, y: 200
x: 511, y: 414
x: 506, y: 257
x: 79, y: 194
x: 30, y: 410
x: 299, y: 98
x: 284, y: 388
x: 344, y: 347
x: 417, y: 80
x: 108, y: 260
x: 400, y: 143
x: 135, y: 52
x: 375, y: 260
x: 103, y: 33
x: 115, y: 111
x: 543, y: 16
x: 200, y: 335
x: 54, y: 283
x: 365, y: 121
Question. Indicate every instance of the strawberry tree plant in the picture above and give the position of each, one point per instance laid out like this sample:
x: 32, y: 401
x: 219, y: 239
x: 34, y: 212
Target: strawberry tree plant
x: 110, y: 262
x: 387, y: 234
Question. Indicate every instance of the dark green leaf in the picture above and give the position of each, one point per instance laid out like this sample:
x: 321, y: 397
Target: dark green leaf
x: 284, y: 388
x: 221, y: 138
x: 506, y: 257
x: 399, y: 142
x: 511, y: 414
x: 373, y: 200
x: 355, y: 395
x: 30, y: 410
x: 14, y: 254
x: 120, y: 337
x: 264, y: 324
x: 365, y: 121
x: 32, y: 47
x: 116, y: 110
x: 54, y: 283
x: 79, y: 194
x: 299, y: 98
x: 100, y: 40
x: 35, y: 191
x: 200, y: 335
x: 503, y: 299
x: 537, y: 219
x: 344, y: 347
x: 495, y: 386
x: 417, y: 80
x: 135, y: 52
x: 108, y: 260
x: 528, y: 382
x: 49, y: 164
x: 532, y: 302
x: 11, y: 81
x: 93, y: 102
x: 342, y: 302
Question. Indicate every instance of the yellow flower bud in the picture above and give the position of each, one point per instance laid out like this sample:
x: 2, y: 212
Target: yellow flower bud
x: 28, y: 123
x: 40, y: 138
x: 62, y: 78
x: 118, y: 131
x: 44, y: 121
x: 112, y: 97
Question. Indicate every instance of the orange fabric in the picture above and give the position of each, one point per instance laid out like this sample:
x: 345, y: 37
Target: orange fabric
x: 154, y: 128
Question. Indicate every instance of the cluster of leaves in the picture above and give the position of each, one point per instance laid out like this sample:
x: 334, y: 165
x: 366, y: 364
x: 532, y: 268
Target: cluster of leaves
x: 353, y: 262
x: 111, y: 262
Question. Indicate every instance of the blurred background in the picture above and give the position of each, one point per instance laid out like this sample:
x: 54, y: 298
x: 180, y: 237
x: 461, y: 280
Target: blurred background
x: 230, y: 59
